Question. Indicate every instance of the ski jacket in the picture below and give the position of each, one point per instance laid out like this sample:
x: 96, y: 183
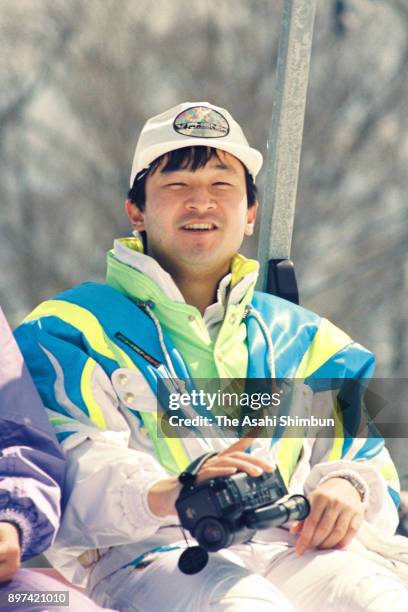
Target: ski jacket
x: 97, y: 352
x: 32, y: 465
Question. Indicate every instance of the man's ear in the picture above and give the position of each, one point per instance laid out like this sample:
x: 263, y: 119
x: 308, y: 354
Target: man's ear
x: 251, y: 218
x: 135, y: 215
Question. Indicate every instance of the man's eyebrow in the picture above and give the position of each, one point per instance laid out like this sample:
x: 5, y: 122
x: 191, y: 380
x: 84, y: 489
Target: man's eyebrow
x: 222, y: 166
x: 219, y: 166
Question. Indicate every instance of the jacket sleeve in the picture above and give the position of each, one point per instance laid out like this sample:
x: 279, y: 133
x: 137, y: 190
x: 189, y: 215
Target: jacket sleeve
x: 105, y: 497
x: 32, y: 465
x: 356, y: 445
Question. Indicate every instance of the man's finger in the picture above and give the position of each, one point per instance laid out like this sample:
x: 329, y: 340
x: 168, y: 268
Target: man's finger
x: 310, y: 524
x: 328, y: 523
x: 296, y: 527
x: 354, y: 526
x: 241, y: 464
x: 215, y: 472
x: 247, y: 457
x: 338, y: 531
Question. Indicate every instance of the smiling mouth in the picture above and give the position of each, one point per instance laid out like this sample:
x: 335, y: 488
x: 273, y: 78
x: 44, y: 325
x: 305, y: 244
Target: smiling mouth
x: 199, y: 227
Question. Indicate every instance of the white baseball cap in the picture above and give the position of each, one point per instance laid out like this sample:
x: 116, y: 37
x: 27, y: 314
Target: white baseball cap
x: 193, y: 124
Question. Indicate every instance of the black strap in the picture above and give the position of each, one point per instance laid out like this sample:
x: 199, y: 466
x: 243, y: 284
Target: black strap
x: 189, y: 476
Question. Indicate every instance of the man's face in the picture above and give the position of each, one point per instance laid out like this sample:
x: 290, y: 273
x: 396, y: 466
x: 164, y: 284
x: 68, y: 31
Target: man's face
x: 196, y: 220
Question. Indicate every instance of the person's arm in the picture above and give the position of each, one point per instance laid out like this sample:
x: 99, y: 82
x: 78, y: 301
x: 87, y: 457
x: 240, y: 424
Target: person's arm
x: 115, y: 494
x: 29, y: 498
x: 163, y: 494
x: 352, y: 478
x: 107, y: 482
x: 31, y: 463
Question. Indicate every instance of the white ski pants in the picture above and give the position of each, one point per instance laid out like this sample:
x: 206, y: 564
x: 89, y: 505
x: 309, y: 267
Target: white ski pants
x: 257, y: 577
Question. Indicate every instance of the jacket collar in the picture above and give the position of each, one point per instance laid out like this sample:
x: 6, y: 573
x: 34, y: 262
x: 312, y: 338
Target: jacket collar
x: 231, y: 290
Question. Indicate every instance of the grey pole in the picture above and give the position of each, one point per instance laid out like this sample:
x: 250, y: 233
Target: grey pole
x: 285, y: 138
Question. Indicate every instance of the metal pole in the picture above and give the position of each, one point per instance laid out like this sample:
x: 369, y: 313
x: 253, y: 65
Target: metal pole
x: 285, y: 139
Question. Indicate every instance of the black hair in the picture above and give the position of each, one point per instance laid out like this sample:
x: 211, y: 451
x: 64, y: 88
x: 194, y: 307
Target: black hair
x: 190, y: 158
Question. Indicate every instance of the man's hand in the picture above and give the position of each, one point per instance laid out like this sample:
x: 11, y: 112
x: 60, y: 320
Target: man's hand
x: 335, y: 517
x: 162, y: 495
x: 9, y: 551
x: 233, y: 460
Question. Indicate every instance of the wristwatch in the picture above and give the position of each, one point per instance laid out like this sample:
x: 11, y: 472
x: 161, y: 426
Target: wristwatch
x: 358, y: 483
x: 361, y: 490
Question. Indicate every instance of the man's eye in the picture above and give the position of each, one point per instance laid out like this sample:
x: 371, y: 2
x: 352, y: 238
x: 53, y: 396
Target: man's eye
x: 222, y: 184
x: 175, y: 185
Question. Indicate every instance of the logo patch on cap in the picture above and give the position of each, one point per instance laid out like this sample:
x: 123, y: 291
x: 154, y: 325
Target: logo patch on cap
x: 201, y: 122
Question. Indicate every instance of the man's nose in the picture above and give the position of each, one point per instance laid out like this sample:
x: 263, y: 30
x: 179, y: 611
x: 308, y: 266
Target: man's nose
x: 201, y: 199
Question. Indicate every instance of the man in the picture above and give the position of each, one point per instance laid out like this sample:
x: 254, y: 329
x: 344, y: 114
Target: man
x: 186, y: 309
x: 32, y: 469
